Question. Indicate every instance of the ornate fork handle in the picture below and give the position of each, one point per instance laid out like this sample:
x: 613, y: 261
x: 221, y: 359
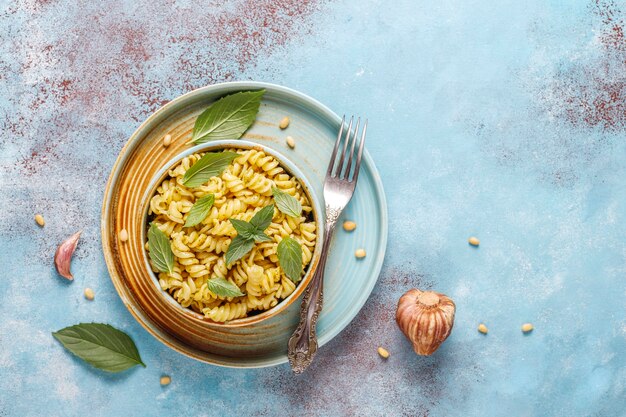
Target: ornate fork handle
x: 339, y: 186
x: 303, y: 342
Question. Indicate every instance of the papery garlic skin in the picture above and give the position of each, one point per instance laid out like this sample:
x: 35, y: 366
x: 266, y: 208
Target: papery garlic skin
x: 63, y: 256
x: 426, y: 319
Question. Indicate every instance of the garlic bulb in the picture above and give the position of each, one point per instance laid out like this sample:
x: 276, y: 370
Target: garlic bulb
x: 426, y: 319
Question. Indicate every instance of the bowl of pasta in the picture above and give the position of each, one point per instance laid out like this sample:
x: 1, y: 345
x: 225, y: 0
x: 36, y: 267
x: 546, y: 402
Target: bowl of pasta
x: 231, y: 232
x: 210, y: 247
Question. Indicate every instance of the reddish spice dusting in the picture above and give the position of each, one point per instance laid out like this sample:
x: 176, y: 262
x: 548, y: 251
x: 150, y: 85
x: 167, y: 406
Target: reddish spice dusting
x: 109, y: 66
x: 593, y: 93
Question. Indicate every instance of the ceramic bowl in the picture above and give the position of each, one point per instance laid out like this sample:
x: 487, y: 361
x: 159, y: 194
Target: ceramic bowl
x: 220, y: 145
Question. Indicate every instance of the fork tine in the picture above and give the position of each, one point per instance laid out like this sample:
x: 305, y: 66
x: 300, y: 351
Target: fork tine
x: 356, y: 132
x: 345, y: 146
x: 331, y: 164
x: 358, y: 158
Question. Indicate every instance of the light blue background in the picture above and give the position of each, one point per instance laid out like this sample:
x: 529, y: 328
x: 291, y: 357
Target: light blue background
x: 474, y: 132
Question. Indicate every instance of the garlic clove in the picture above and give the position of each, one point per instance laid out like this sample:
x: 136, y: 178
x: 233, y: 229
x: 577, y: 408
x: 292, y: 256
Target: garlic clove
x: 63, y: 255
x: 426, y: 319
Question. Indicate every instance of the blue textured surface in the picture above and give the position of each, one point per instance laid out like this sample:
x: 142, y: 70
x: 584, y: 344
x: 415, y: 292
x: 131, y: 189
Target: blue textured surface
x: 503, y: 120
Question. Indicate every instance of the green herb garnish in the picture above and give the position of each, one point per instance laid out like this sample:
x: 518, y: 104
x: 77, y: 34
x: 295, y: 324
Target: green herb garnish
x: 248, y: 233
x: 200, y: 210
x: 227, y: 118
x: 238, y: 248
x: 160, y: 250
x: 224, y: 288
x: 100, y: 345
x: 287, y: 203
x: 290, y: 258
x: 210, y: 165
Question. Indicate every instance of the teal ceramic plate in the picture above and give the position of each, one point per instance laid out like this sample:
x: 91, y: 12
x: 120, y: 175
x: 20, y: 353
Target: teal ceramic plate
x: 348, y: 281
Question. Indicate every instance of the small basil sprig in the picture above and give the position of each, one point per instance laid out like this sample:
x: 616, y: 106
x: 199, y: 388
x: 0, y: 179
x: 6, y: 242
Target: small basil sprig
x: 290, y: 258
x: 287, y: 203
x: 160, y: 250
x: 100, y: 345
x: 210, y: 165
x: 200, y: 210
x: 227, y: 118
x: 224, y: 288
x: 248, y: 233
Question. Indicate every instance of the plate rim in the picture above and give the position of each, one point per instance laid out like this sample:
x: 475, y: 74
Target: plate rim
x: 326, y: 113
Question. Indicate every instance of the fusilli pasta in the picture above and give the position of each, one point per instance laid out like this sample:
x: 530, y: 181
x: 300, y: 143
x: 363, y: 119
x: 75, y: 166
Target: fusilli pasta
x: 242, y: 189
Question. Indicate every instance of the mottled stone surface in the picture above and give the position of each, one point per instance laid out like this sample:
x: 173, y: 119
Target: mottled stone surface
x: 504, y: 120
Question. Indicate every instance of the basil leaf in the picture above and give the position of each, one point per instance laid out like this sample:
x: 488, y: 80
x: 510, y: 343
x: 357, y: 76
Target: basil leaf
x: 290, y: 258
x: 210, y: 165
x: 244, y: 229
x: 199, y: 210
x: 222, y: 287
x: 238, y: 248
x: 160, y: 249
x: 227, y: 118
x: 100, y: 345
x: 287, y: 203
x: 263, y: 218
x: 262, y: 237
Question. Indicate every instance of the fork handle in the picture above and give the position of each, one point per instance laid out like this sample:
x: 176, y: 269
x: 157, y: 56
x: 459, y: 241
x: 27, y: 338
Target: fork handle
x: 303, y: 342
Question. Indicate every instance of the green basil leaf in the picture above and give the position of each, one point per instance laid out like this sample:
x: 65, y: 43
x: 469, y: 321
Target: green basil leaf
x: 290, y: 258
x: 160, y: 249
x: 262, y: 237
x: 244, y: 229
x: 287, y: 203
x: 227, y: 118
x: 100, y: 345
x: 263, y: 218
x: 200, y: 210
x: 238, y: 248
x: 222, y: 287
x: 210, y: 165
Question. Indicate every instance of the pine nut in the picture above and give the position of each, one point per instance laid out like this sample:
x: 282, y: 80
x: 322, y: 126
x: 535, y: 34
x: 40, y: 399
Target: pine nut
x: 89, y: 294
x: 360, y: 253
x: 167, y: 139
x: 482, y: 328
x: 39, y: 219
x: 123, y: 235
x: 383, y: 353
x: 165, y: 380
x: 349, y: 226
x: 473, y: 241
x: 527, y: 327
x: 284, y: 123
x: 290, y: 142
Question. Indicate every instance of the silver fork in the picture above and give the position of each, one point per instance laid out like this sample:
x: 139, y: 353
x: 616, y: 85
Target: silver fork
x: 338, y: 189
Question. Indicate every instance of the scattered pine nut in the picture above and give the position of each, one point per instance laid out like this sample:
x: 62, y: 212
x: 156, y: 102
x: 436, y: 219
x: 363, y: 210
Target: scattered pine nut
x: 165, y: 380
x: 349, y: 226
x: 167, y: 139
x: 123, y: 235
x: 527, y: 327
x: 39, y: 219
x: 284, y: 123
x: 482, y: 328
x: 360, y: 253
x: 383, y: 352
x: 89, y: 294
x: 473, y: 241
x: 290, y: 142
